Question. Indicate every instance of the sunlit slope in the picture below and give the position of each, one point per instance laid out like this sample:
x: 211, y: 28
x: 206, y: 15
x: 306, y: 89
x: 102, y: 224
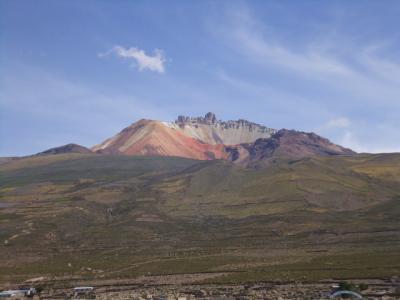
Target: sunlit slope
x: 111, y: 211
x: 155, y: 138
x: 311, y: 184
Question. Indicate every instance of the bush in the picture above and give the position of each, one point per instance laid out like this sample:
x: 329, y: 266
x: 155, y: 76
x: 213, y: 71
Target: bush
x: 347, y: 286
x: 363, y: 286
x: 39, y: 289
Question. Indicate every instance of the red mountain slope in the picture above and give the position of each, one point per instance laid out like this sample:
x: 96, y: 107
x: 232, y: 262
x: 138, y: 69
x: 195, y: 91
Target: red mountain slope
x: 148, y: 137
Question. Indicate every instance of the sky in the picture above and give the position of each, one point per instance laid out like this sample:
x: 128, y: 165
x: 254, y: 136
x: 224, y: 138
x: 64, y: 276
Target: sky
x: 80, y: 71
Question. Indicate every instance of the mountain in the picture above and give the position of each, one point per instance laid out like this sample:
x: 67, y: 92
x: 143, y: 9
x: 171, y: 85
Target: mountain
x: 207, y: 138
x: 285, y: 143
x: 155, y: 201
x: 69, y: 148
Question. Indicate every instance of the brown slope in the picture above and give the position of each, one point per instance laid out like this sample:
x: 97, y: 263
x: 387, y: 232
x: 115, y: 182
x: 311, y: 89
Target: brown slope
x: 69, y: 148
x: 286, y: 143
x: 149, y: 137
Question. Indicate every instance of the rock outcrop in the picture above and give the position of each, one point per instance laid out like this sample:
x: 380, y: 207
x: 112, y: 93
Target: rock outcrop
x: 213, y: 131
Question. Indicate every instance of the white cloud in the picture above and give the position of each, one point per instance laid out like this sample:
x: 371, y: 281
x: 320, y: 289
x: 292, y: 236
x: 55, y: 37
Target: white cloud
x: 143, y: 61
x: 339, y: 129
x: 340, y: 122
x: 352, y: 134
x: 351, y: 140
x: 255, y: 41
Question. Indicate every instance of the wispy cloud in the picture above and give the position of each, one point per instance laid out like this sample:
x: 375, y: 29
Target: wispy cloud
x: 341, y: 122
x: 263, y: 51
x: 351, y: 139
x: 142, y: 60
x: 336, y: 74
x: 254, y: 41
x: 358, y: 69
x: 360, y: 135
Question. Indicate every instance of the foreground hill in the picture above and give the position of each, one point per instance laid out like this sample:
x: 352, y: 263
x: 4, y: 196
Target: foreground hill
x: 107, y: 216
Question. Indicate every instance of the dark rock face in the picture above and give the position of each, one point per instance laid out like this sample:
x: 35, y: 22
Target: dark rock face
x: 233, y: 153
x: 69, y: 148
x: 210, y: 117
x: 262, y: 148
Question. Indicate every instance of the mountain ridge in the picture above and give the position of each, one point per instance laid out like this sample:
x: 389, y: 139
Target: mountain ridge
x: 208, y: 138
x: 286, y: 143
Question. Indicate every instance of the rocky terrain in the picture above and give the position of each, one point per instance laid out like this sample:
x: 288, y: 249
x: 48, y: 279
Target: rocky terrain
x: 372, y: 289
x: 210, y: 130
x: 285, y: 143
x: 264, y: 290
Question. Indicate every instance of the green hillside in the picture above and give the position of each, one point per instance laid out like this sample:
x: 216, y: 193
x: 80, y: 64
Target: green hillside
x: 100, y: 216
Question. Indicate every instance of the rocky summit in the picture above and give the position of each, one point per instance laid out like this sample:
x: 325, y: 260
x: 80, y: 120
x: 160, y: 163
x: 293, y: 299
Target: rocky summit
x: 209, y: 129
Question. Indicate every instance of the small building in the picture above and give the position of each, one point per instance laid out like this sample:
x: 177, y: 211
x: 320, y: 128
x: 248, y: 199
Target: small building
x: 22, y: 292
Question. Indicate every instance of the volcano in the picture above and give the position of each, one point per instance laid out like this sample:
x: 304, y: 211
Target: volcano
x: 207, y: 138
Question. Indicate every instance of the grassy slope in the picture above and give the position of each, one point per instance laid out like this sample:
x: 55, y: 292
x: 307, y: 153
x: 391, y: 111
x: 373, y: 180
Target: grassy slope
x: 127, y: 216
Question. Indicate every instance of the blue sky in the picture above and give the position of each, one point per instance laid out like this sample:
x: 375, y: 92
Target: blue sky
x: 80, y: 71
